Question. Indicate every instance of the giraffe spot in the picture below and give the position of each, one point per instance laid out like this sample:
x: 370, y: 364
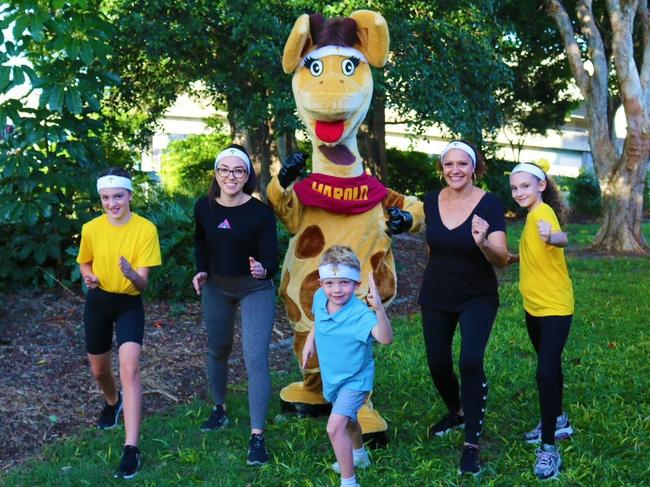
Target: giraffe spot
x: 310, y: 243
x: 307, y: 290
x: 384, y: 276
x: 293, y: 311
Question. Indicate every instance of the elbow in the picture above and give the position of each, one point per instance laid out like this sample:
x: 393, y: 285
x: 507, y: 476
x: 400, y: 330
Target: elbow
x: 386, y: 340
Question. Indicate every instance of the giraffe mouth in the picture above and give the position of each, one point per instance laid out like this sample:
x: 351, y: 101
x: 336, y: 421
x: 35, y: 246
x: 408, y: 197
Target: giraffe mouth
x: 329, y: 132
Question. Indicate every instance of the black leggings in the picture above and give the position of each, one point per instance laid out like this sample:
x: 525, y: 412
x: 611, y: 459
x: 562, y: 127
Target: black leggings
x: 475, y: 326
x: 548, y: 335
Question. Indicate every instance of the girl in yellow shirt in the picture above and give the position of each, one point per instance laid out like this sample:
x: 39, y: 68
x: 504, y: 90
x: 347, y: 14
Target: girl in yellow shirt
x: 116, y: 253
x: 547, y: 293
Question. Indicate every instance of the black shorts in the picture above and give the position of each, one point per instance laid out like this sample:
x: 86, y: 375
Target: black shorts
x: 102, y: 309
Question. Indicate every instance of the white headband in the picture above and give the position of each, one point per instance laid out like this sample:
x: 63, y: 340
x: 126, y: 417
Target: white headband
x: 321, y: 52
x: 114, y: 182
x: 339, y: 271
x: 462, y: 146
x: 231, y: 151
x: 530, y: 169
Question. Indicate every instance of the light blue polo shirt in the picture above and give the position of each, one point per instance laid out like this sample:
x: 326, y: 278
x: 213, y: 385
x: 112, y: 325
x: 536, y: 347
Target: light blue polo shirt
x: 344, y: 345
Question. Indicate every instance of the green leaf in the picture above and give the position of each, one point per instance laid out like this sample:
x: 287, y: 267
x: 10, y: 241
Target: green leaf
x: 4, y: 76
x: 86, y: 53
x: 58, y: 3
x: 18, y: 76
x: 55, y: 102
x: 73, y: 101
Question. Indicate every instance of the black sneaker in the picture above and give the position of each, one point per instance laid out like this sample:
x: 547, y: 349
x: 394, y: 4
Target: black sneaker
x: 218, y: 419
x: 257, y: 454
x: 130, y: 463
x: 448, y: 423
x: 109, y: 418
x: 469, y: 461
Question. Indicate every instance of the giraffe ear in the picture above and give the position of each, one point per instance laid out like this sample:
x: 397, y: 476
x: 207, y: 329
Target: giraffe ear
x: 374, y: 40
x: 298, y: 43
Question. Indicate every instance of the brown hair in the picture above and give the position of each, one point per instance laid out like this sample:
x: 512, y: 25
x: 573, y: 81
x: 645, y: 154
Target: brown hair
x: 333, y: 32
x: 340, y: 254
x: 551, y: 196
x: 249, y: 187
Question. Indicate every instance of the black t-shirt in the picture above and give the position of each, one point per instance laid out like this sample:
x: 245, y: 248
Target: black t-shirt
x: 225, y: 236
x: 457, y: 271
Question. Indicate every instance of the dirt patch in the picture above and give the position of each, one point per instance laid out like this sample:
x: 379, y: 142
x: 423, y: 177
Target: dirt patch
x: 47, y: 389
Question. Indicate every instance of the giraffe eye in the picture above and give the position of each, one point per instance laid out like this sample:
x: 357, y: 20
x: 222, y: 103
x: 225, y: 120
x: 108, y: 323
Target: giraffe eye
x: 349, y: 65
x: 315, y: 66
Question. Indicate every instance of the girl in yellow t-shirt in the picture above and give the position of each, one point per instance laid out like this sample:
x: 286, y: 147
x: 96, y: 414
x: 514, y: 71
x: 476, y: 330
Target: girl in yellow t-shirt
x: 116, y: 253
x: 547, y: 293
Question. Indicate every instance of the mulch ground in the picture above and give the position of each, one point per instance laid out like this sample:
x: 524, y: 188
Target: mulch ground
x: 48, y: 392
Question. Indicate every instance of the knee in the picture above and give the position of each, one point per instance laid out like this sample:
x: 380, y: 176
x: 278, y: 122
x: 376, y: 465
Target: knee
x: 129, y: 372
x: 547, y: 376
x: 335, y: 430
x: 219, y: 351
x: 100, y: 370
x: 471, y: 366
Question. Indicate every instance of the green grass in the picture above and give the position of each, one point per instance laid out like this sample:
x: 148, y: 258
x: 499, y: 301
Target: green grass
x: 607, y: 379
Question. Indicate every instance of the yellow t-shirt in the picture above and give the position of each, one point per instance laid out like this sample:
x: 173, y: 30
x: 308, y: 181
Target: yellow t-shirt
x: 102, y: 244
x: 543, y: 276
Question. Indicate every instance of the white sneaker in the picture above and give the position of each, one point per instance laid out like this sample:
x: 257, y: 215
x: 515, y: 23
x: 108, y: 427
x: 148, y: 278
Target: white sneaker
x: 563, y: 430
x: 548, y: 463
x: 359, y: 462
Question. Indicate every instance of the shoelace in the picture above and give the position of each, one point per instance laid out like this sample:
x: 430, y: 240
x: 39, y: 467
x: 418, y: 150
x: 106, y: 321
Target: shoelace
x: 545, y: 458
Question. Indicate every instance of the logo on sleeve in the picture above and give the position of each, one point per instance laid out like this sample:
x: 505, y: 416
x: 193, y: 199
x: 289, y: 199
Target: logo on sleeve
x: 224, y: 224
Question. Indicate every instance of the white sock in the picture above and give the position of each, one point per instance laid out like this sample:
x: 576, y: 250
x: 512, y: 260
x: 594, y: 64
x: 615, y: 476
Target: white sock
x: 360, y: 453
x: 351, y: 482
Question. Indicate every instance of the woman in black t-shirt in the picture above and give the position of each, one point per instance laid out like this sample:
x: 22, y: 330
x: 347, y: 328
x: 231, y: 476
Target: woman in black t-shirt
x: 465, y: 231
x: 235, y: 247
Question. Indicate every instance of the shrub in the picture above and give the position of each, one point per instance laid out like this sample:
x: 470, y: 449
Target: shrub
x: 584, y: 198
x: 173, y: 215
x: 187, y: 164
x: 413, y: 173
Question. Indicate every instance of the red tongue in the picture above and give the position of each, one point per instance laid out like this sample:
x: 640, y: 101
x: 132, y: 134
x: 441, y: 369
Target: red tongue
x: 329, y: 131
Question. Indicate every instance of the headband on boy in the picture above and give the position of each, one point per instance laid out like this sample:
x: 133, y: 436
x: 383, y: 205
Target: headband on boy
x: 339, y: 271
x: 321, y: 52
x: 461, y: 146
x: 530, y: 169
x: 232, y: 151
x: 114, y: 182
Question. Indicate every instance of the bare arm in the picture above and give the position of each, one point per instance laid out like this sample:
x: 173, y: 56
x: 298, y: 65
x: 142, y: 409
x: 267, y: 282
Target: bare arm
x: 139, y: 277
x: 382, y: 331
x: 493, y: 246
x: 309, y: 348
x: 556, y: 239
x: 90, y: 279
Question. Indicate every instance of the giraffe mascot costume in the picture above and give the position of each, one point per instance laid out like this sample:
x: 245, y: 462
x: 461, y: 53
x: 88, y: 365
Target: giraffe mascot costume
x: 338, y: 203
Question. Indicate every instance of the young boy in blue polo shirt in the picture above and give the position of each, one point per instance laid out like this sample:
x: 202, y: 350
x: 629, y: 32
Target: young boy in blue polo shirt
x: 343, y: 332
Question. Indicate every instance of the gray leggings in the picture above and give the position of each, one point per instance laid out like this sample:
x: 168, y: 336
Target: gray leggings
x: 219, y: 298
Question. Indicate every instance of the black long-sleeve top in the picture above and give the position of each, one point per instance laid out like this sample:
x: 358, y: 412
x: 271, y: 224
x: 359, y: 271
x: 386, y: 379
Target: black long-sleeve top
x: 225, y: 236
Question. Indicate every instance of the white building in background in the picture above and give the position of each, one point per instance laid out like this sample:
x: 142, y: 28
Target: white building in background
x: 187, y: 116
x: 567, y: 150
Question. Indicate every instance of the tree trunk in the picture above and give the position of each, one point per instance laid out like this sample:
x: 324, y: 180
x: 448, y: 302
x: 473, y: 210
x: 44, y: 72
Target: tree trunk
x: 372, y: 139
x: 622, y: 194
x: 257, y: 142
x: 620, y: 170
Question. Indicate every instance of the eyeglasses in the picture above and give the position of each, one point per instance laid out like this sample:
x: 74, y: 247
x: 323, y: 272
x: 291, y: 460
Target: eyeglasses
x: 238, y: 173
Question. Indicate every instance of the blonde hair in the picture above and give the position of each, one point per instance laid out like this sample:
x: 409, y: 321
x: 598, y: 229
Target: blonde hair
x: 340, y: 254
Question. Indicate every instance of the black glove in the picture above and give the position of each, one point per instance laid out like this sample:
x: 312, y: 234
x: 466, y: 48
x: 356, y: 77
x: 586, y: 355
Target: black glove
x: 291, y: 168
x: 398, y: 220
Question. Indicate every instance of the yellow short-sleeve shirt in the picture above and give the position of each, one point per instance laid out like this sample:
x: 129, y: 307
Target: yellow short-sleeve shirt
x: 102, y: 244
x: 543, y: 276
